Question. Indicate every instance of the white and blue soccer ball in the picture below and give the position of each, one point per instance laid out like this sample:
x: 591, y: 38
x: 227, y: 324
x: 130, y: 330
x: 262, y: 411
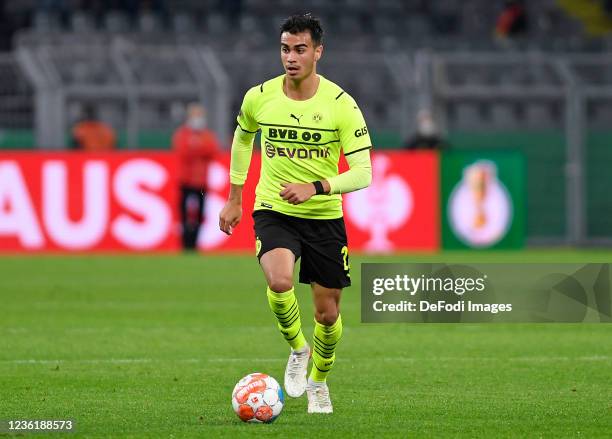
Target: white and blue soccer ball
x: 258, y: 398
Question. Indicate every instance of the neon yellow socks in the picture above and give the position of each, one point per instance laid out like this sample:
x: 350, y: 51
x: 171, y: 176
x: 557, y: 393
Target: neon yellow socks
x: 285, y: 307
x: 324, y: 348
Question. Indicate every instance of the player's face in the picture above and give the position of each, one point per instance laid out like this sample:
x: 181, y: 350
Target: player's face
x: 299, y: 55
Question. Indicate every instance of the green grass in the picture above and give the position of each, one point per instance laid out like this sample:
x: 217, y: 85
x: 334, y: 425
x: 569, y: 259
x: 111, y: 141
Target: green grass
x: 151, y: 346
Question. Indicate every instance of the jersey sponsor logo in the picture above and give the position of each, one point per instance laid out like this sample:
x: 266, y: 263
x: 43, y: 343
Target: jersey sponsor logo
x: 361, y: 132
x: 293, y: 152
x: 289, y: 134
x: 293, y: 116
x: 270, y: 150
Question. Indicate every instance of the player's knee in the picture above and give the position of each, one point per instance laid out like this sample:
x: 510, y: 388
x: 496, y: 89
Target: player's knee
x: 280, y: 284
x: 327, y: 317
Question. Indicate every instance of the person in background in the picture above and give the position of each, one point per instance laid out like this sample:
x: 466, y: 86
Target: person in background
x: 91, y: 134
x: 196, y: 147
x: 512, y: 21
x: 427, y: 135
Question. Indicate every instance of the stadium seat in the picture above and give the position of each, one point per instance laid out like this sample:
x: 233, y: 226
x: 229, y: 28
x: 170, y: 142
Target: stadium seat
x: 601, y: 115
x: 540, y: 116
x: 183, y: 22
x: 148, y: 22
x: 82, y: 22
x: 503, y: 116
x: 45, y: 22
x: 115, y: 22
x: 467, y: 116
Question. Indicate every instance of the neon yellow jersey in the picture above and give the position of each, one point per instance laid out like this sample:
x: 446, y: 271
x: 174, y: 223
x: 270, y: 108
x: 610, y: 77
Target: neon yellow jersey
x: 301, y: 142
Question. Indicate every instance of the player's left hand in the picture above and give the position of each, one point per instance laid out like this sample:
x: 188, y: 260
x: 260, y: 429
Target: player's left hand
x: 296, y: 193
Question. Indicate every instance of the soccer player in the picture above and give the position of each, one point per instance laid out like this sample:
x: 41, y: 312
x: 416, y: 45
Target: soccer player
x: 305, y: 121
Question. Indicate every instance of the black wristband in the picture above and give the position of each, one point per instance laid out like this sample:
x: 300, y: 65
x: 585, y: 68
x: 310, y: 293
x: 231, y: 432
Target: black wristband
x: 318, y: 187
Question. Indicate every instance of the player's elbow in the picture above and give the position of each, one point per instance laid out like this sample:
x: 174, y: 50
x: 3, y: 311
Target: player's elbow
x: 369, y: 177
x: 366, y: 177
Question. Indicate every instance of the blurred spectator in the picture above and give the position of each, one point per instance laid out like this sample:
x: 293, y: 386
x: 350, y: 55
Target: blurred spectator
x: 427, y: 135
x: 91, y: 134
x: 196, y: 147
x: 512, y: 21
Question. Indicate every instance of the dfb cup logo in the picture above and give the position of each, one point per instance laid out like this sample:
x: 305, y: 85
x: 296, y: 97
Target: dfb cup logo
x: 480, y: 207
x: 381, y: 208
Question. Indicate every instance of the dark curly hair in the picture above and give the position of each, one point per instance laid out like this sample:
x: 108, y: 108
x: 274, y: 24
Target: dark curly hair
x: 304, y: 22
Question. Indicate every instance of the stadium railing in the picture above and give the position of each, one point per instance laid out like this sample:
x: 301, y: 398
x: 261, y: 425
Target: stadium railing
x: 134, y: 87
x: 554, y: 107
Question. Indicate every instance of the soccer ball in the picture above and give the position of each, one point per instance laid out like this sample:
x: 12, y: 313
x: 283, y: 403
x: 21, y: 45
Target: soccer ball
x: 258, y: 398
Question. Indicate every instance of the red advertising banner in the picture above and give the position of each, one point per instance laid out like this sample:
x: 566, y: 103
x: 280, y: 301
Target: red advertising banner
x: 87, y: 202
x: 243, y: 236
x: 399, y: 211
x: 128, y: 201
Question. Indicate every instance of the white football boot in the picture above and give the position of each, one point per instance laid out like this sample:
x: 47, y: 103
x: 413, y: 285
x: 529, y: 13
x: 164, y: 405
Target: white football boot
x: 318, y: 397
x: 295, y: 373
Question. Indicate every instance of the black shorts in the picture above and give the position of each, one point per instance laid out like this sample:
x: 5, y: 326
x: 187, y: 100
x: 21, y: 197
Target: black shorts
x: 321, y: 244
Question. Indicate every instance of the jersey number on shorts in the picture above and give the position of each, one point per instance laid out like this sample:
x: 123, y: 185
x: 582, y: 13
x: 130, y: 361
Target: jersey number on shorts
x: 257, y: 246
x: 345, y: 259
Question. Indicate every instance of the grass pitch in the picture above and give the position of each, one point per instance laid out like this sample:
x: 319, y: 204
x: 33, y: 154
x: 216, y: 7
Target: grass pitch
x: 151, y: 346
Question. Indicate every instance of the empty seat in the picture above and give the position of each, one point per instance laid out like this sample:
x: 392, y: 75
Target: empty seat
x: 540, y: 116
x: 216, y: 24
x: 601, y: 116
x: 503, y: 116
x: 82, y: 22
x: 116, y: 22
x: 45, y: 22
x: 148, y: 22
x: 467, y: 116
x: 183, y: 22
x: 113, y: 113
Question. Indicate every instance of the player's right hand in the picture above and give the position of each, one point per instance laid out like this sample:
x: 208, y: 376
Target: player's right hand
x: 230, y: 216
